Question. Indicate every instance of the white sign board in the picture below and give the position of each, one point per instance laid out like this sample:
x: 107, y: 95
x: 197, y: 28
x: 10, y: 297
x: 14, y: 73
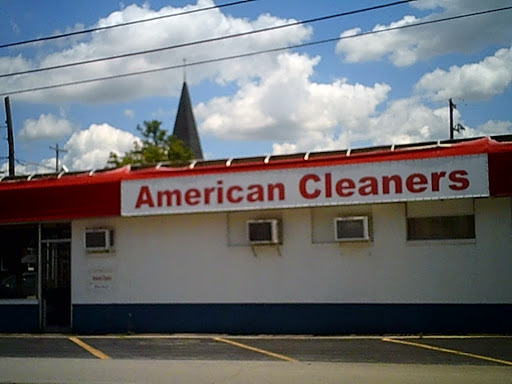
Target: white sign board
x: 100, y: 280
x: 377, y: 182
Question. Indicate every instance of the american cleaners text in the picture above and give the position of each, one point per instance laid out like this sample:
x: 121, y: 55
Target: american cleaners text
x: 310, y: 186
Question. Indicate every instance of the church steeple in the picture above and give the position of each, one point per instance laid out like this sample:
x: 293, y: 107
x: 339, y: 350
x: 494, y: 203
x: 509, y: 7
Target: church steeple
x: 185, y: 125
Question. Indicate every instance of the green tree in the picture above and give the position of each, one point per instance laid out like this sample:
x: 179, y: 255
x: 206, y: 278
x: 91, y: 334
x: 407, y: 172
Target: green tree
x: 157, y: 146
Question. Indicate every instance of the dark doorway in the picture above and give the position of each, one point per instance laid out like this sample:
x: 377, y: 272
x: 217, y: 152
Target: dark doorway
x: 56, y: 276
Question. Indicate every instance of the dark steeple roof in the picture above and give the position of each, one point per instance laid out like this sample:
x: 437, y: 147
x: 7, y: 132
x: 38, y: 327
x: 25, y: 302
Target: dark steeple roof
x: 185, y: 125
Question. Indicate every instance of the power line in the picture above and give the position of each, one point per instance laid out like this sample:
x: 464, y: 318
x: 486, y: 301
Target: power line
x: 69, y: 34
x: 249, y: 54
x: 210, y: 40
x: 23, y: 162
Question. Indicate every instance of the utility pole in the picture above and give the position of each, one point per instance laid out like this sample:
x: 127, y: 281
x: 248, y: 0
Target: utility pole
x: 452, y: 107
x: 10, y: 136
x: 454, y: 128
x: 57, y: 150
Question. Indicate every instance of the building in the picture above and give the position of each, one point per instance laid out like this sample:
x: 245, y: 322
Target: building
x: 398, y: 239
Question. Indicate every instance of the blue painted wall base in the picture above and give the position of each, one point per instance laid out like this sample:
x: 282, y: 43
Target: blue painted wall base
x: 316, y: 319
x: 22, y: 318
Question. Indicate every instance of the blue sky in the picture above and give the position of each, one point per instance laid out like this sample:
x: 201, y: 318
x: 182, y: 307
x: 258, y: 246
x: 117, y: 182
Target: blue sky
x: 385, y: 88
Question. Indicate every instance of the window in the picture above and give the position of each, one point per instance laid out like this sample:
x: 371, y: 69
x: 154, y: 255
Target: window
x: 18, y: 261
x: 441, y: 227
x: 441, y: 220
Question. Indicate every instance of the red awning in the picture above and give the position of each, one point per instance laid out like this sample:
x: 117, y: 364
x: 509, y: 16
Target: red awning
x: 49, y: 197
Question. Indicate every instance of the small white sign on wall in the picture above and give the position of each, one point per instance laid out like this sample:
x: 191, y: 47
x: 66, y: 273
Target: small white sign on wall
x: 100, y: 280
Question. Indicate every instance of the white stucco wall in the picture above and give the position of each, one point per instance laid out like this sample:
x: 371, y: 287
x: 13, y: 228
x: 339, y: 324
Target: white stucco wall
x: 202, y: 258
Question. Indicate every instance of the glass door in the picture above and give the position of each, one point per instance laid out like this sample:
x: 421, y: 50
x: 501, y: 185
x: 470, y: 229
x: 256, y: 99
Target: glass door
x: 56, y: 284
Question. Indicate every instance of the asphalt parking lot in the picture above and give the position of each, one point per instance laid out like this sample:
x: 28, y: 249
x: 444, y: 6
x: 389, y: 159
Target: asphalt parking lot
x: 66, y: 359
x: 446, y: 350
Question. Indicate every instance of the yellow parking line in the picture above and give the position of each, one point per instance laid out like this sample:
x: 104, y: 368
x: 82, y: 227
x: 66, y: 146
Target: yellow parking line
x: 254, y: 349
x: 452, y: 351
x: 88, y: 348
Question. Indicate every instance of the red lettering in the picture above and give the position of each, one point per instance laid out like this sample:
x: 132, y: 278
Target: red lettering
x: 386, y: 182
x: 371, y: 188
x: 207, y: 194
x: 302, y: 186
x: 168, y: 195
x: 328, y: 185
x: 144, y: 197
x: 459, y: 182
x: 311, y: 186
x: 255, y: 193
x: 231, y: 190
x: 436, y: 177
x: 220, y: 190
x: 193, y: 196
x: 345, y: 187
x: 416, y: 183
x: 280, y: 190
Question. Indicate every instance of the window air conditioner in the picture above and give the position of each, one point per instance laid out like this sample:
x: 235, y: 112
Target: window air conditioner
x: 351, y: 228
x: 99, y: 240
x: 264, y: 231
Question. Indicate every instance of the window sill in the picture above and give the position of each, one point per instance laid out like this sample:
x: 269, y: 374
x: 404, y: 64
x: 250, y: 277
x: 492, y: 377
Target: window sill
x: 441, y: 242
x: 18, y: 301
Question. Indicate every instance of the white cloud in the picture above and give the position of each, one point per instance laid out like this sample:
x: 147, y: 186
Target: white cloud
x: 278, y: 99
x: 13, y: 64
x: 407, y: 46
x: 493, y: 127
x: 490, y: 128
x: 28, y: 168
x: 156, y: 34
x: 90, y: 148
x: 472, y: 82
x: 86, y: 149
x: 46, y: 127
x: 404, y: 121
x: 286, y: 105
x: 130, y: 113
x: 374, y: 47
x: 14, y: 27
x: 408, y: 121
